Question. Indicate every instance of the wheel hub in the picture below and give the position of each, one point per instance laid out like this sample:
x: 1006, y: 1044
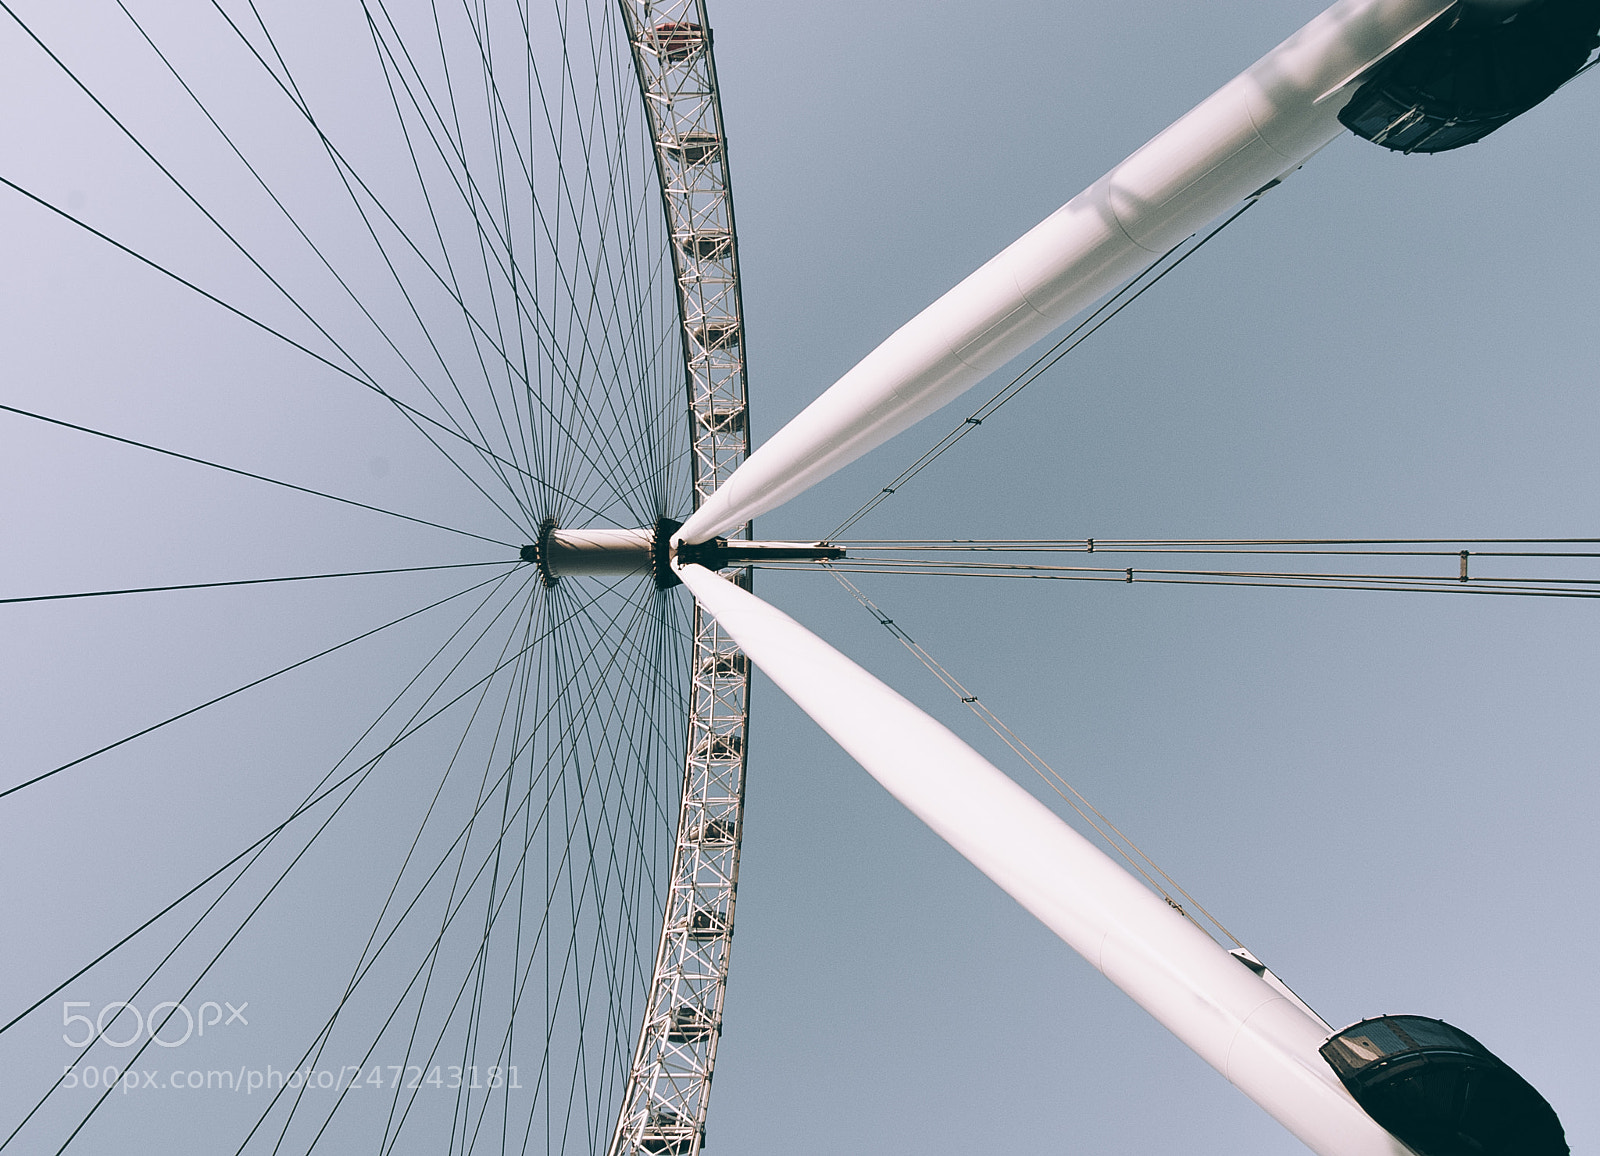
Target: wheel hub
x: 612, y: 552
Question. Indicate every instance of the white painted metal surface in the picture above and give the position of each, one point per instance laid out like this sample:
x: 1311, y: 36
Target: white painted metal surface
x: 1237, y: 1022
x: 597, y: 551
x: 1260, y: 126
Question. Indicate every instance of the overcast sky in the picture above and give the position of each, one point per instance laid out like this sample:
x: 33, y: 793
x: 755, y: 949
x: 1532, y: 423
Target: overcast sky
x: 1388, y: 797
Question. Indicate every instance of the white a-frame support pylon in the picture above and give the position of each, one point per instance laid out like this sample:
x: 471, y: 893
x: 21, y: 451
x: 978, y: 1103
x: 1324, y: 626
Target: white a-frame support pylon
x: 1241, y: 1025
x: 1259, y: 126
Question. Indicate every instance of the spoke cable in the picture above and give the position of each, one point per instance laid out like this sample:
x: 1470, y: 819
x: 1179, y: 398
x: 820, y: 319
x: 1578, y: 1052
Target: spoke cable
x: 1104, y: 827
x: 247, y: 474
x: 453, y: 910
x: 81, y: 759
x: 314, y: 1053
x: 415, y: 416
x: 317, y: 794
x: 587, y: 721
x: 288, y: 82
x: 244, y: 582
x: 1074, y: 337
x: 322, y: 791
x: 295, y: 224
x: 931, y: 557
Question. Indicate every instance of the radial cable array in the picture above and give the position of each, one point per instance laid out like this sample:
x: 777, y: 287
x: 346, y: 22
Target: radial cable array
x: 1526, y: 567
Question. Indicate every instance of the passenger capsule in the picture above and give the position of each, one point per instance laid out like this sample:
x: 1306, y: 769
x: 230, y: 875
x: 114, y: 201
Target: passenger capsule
x: 677, y: 41
x: 1481, y: 64
x: 1440, y: 1091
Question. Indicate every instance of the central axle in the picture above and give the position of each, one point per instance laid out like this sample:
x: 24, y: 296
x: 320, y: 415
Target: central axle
x: 571, y: 551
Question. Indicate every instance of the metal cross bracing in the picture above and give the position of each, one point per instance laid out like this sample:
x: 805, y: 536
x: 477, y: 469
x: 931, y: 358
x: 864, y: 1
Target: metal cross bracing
x: 664, y: 1105
x: 672, y: 47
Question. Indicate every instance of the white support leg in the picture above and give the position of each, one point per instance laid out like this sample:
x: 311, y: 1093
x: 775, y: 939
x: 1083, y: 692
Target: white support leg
x: 1258, y: 127
x: 1233, y: 1019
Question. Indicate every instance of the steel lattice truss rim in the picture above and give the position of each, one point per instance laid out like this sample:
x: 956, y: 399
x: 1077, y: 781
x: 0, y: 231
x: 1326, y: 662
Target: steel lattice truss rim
x: 667, y: 1094
x: 678, y: 1033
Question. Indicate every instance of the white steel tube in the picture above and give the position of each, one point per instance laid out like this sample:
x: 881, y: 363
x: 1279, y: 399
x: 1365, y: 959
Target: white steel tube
x: 598, y: 551
x: 1237, y: 1022
x: 1258, y: 127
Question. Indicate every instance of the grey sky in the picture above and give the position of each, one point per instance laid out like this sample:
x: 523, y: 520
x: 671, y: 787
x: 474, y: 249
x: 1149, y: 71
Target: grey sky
x: 1388, y: 797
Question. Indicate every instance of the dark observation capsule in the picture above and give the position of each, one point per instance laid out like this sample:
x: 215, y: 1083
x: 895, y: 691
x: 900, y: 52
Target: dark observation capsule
x: 1479, y: 65
x: 1440, y: 1091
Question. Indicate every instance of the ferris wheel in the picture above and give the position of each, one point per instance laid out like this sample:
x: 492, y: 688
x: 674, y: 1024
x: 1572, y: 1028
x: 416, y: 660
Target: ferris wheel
x: 499, y: 910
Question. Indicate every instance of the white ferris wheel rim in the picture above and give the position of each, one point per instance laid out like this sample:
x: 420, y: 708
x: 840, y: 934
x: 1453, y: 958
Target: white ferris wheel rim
x: 670, y: 48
